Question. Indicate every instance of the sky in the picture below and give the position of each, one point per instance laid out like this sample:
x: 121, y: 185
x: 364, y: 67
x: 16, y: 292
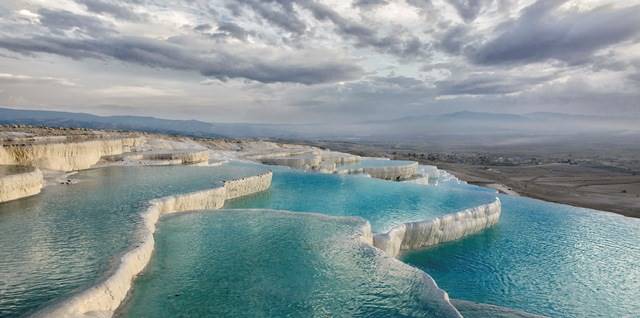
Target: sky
x: 318, y: 61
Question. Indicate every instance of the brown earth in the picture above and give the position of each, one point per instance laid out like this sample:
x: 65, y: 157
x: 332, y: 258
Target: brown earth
x: 594, y: 188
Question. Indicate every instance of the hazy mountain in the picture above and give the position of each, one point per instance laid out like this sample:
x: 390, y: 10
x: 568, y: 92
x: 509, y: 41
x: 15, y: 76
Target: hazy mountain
x: 463, y: 126
x: 149, y: 124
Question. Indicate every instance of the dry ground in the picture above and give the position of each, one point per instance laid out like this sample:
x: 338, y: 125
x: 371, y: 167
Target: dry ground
x: 595, y: 188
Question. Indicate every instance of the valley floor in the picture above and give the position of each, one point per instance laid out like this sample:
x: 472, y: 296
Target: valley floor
x: 562, y: 183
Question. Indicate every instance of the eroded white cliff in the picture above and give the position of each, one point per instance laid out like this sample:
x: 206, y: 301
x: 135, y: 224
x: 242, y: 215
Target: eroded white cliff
x: 416, y: 235
x: 104, y: 298
x: 65, y: 156
x: 391, y: 172
x: 185, y: 157
x: 245, y: 186
x: 20, y: 185
x: 308, y: 161
x: 316, y: 160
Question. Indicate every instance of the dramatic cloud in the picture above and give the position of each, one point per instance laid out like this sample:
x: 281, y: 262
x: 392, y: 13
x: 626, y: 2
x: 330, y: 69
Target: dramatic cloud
x: 468, y: 9
x: 542, y: 33
x: 59, y: 22
x: 320, y: 60
x: 113, y: 9
x: 278, y: 12
x: 222, y: 65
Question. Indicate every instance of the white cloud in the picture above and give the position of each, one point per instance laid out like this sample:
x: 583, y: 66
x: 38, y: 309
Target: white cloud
x: 321, y: 59
x: 138, y: 91
x: 6, y: 78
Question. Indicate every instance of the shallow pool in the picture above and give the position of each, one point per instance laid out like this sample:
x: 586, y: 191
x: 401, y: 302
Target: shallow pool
x: 382, y: 203
x: 259, y: 263
x: 63, y: 239
x: 544, y: 258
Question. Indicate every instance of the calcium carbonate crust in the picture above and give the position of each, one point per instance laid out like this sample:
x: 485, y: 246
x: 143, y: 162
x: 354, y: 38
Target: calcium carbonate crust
x: 324, y: 161
x: 397, y: 173
x: 421, y: 234
x: 103, y: 299
x: 21, y: 185
x: 65, y: 156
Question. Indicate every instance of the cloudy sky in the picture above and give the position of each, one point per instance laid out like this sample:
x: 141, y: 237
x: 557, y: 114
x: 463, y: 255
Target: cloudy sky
x: 320, y: 60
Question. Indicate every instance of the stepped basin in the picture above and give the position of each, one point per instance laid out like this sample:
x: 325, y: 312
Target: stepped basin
x: 384, y: 204
x: 544, y: 258
x: 373, y: 163
x: 261, y: 263
x: 307, y: 161
x: 382, y: 169
x: 68, y: 237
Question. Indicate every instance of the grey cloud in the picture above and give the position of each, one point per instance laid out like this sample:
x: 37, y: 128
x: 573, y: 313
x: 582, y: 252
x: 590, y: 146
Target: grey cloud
x: 613, y: 62
x: 468, y: 9
x: 279, y: 12
x: 483, y: 65
x: 284, y: 14
x: 634, y: 77
x: 421, y: 4
x: 454, y: 39
x: 225, y: 30
x: 409, y: 46
x: 234, y: 30
x: 59, y: 21
x: 401, y: 81
x: 490, y: 84
x: 6, y: 78
x: 106, y: 7
x: 541, y: 33
x: 369, y: 3
x: 164, y: 54
x: 203, y: 27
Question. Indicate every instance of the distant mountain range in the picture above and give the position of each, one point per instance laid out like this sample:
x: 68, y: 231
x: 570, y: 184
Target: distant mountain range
x: 141, y: 123
x: 464, y: 123
x: 481, y: 123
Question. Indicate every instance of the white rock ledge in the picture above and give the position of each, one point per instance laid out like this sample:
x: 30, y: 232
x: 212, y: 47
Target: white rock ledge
x: 416, y: 235
x: 314, y: 160
x: 21, y: 185
x: 397, y: 173
x: 104, y: 298
x: 65, y: 156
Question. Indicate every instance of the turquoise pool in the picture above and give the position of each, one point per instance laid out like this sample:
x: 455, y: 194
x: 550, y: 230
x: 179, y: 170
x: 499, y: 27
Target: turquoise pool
x: 382, y: 203
x: 63, y: 239
x: 544, y: 258
x: 261, y: 263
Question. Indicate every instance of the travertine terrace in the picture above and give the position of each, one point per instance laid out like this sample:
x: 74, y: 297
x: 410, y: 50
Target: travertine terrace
x: 420, y: 234
x: 105, y: 297
x: 67, y: 155
x: 24, y: 182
